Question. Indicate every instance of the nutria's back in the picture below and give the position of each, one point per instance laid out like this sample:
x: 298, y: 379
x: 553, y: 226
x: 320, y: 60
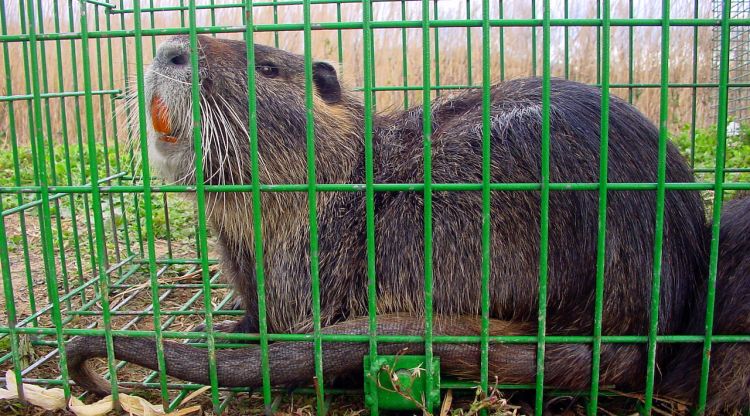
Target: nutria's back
x: 516, y: 120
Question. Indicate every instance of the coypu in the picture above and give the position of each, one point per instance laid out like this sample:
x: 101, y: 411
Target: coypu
x: 729, y: 370
x: 516, y: 123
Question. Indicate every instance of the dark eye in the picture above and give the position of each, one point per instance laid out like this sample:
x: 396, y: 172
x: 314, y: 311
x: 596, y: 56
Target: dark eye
x: 268, y: 71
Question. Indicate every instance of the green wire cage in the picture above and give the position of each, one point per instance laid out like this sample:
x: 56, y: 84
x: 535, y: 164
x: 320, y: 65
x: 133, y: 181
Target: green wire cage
x: 92, y: 244
x: 739, y: 51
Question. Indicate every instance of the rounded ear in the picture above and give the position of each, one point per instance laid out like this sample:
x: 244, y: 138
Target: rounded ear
x: 326, y: 82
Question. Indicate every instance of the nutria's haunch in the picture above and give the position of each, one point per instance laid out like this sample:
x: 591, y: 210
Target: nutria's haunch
x: 729, y: 376
x: 456, y: 142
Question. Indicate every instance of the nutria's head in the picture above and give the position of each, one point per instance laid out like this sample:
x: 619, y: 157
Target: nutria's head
x: 280, y: 113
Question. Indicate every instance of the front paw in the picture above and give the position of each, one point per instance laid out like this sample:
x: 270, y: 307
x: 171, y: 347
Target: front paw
x: 221, y: 326
x: 226, y: 326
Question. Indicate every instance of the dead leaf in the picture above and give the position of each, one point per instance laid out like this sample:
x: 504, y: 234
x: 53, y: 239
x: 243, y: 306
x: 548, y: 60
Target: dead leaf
x: 95, y: 409
x: 447, y: 402
x: 193, y: 395
x: 54, y: 399
x: 48, y: 399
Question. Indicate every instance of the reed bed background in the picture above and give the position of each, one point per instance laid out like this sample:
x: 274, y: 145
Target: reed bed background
x: 458, y: 50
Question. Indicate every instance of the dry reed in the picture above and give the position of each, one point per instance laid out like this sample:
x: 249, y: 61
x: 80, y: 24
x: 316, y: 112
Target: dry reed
x: 453, y: 67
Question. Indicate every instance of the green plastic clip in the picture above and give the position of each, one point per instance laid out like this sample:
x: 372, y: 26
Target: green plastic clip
x: 399, y: 382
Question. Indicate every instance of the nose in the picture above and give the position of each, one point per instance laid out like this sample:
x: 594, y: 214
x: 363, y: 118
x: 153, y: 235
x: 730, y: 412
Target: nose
x: 174, y: 53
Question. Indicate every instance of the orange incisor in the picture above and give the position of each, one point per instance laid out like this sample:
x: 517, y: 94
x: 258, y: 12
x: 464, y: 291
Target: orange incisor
x: 160, y: 119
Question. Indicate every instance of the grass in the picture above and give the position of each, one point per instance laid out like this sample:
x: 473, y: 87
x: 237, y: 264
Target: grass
x: 703, y: 151
x: 704, y: 156
x: 115, y: 210
x: 73, y: 230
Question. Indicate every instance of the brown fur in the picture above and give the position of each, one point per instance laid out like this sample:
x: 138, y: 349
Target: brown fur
x: 456, y: 158
x: 729, y: 366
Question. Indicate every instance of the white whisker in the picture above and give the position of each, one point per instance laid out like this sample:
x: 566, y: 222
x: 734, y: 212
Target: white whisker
x: 170, y: 78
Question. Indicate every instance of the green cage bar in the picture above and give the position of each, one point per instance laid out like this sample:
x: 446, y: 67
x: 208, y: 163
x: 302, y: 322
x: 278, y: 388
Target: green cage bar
x: 369, y: 81
x: 660, y: 196
x: 37, y: 143
x: 721, y: 144
x: 312, y: 209
x: 92, y: 242
x: 601, y: 244
x: 201, y: 206
x: 486, y: 194
x: 544, y: 205
x: 256, y: 201
x: 427, y: 191
x: 147, y: 203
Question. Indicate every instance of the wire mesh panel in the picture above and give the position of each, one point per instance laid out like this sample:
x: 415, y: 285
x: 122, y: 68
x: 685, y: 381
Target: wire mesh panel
x: 220, y: 264
x: 739, y: 59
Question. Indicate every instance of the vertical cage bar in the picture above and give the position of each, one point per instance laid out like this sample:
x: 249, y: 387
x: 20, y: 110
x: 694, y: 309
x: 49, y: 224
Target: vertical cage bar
x: 437, y: 49
x: 195, y: 98
x: 544, y: 218
x: 16, y: 163
x: 486, y: 197
x: 105, y: 140
x: 312, y: 207
x: 51, y: 149
x: 10, y: 305
x: 660, y: 196
x: 164, y: 198
x: 427, y: 161
x: 372, y: 69
x: 602, y: 224
x: 152, y: 22
x: 212, y: 12
x: 533, y: 40
x: 10, y: 302
x: 275, y: 22
x: 598, y: 44
x: 566, y: 40
x: 721, y: 143
x: 502, y: 41
x: 372, y: 291
x: 694, y: 89
x: 79, y: 141
x: 35, y: 153
x: 101, y: 263
x: 339, y: 38
x: 404, y: 57
x: 29, y: 108
x: 147, y: 205
x: 131, y: 152
x: 469, y: 66
x: 116, y: 144
x: 631, y: 62
x: 66, y: 150
x: 37, y: 141
x: 182, y: 12
x: 256, y: 204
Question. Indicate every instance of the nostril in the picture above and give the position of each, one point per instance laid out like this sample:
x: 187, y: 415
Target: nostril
x: 179, y: 60
x: 175, y: 54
